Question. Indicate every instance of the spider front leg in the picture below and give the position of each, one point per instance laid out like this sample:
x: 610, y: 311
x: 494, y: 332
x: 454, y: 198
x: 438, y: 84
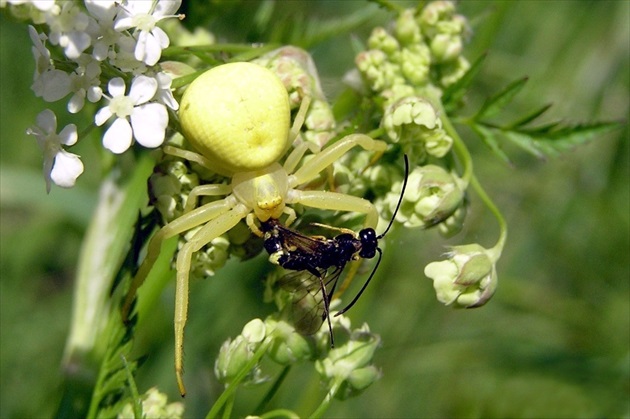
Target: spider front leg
x: 213, y: 229
x: 334, y: 200
x: 185, y: 222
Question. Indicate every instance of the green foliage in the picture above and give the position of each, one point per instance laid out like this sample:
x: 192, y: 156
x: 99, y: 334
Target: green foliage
x: 538, y: 139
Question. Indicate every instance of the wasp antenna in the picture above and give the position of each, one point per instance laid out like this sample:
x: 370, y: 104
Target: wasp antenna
x: 402, y: 193
x: 356, y: 297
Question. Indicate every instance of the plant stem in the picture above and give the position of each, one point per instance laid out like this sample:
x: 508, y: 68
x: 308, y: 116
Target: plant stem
x: 321, y: 409
x: 231, y: 388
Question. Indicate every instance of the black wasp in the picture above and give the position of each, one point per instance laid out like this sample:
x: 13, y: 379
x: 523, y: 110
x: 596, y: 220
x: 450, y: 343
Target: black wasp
x: 318, y: 262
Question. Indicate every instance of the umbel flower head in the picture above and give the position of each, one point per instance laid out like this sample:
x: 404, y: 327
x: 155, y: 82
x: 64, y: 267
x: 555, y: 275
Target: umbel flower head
x: 60, y: 167
x: 468, y: 278
x: 148, y: 120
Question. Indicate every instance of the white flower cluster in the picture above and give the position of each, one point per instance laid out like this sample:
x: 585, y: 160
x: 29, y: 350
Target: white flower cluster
x: 81, y: 47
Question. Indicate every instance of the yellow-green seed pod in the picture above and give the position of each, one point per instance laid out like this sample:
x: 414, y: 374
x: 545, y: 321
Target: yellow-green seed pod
x: 237, y: 115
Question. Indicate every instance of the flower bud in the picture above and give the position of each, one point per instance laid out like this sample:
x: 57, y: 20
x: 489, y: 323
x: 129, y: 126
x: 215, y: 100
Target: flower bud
x: 287, y: 346
x: 210, y: 258
x: 432, y: 195
x: 453, y: 224
x: 414, y: 122
x: 415, y: 62
x: 378, y: 72
x: 381, y: 40
x: 235, y: 354
x: 452, y: 71
x: 406, y: 29
x: 466, y: 279
x: 446, y: 47
x: 355, y: 354
x: 154, y: 405
x: 357, y: 381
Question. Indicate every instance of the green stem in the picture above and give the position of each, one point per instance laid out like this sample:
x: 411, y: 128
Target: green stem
x: 321, y: 409
x: 273, y: 390
x: 468, y: 176
x: 498, y: 247
x: 133, y: 388
x: 231, y: 388
x: 460, y: 149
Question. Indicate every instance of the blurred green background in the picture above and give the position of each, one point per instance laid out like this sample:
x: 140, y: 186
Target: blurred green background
x: 553, y: 342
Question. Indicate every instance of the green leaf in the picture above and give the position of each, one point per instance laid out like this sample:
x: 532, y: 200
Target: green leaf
x: 494, y: 104
x: 554, y: 141
x: 455, y: 92
x: 315, y: 31
x: 524, y: 120
x: 488, y: 136
x: 525, y: 142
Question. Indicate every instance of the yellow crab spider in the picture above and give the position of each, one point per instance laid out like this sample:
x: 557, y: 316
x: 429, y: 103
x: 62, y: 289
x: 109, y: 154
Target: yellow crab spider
x: 237, y: 117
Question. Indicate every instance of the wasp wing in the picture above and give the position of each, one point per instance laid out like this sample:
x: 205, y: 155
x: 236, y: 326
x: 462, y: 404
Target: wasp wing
x: 309, y: 298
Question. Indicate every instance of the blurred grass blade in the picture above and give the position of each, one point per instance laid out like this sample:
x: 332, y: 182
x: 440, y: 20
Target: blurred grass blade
x: 121, y: 196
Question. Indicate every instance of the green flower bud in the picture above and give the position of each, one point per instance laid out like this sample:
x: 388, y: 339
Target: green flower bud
x: 287, y: 346
x: 407, y: 117
x: 380, y: 39
x: 432, y: 195
x: 446, y: 47
x: 406, y: 29
x: 355, y: 354
x: 154, y: 406
x: 235, y: 354
x: 320, y: 123
x: 210, y: 258
x: 415, y: 62
x: 378, y: 72
x: 433, y: 14
x: 254, y: 331
x: 451, y: 72
x: 466, y: 279
x: 357, y: 381
x: 453, y: 224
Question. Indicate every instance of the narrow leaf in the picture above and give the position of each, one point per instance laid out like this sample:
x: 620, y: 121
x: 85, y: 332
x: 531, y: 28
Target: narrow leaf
x: 569, y: 137
x: 488, y: 136
x: 529, y: 117
x: 526, y: 143
x: 455, y: 92
x: 495, y: 103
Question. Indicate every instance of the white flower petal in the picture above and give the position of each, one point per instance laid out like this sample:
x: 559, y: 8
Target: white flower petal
x: 77, y: 43
x: 149, y: 124
x: 117, y: 138
x: 102, y: 115
x: 52, y: 85
x: 141, y: 46
x: 139, y: 7
x: 76, y: 102
x: 100, y: 50
x: 116, y: 87
x: 143, y: 88
x: 123, y: 23
x: 161, y: 37
x: 102, y: 10
x: 47, y: 121
x: 166, y: 7
x: 68, y: 135
x: 94, y: 94
x: 66, y: 169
